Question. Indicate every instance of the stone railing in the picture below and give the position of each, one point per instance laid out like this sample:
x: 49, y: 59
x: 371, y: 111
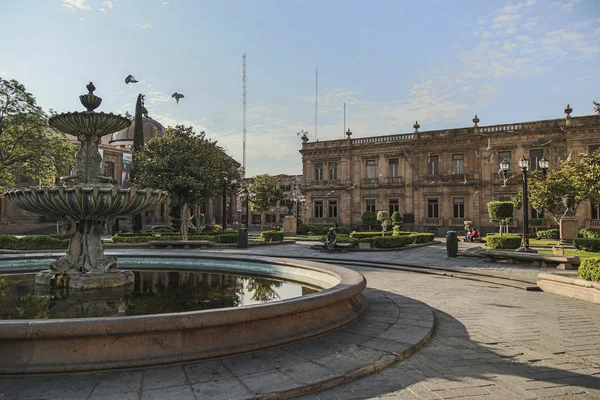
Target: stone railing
x: 323, y: 220
x: 380, y: 139
x: 433, y: 221
x: 592, y: 223
x: 501, y: 128
x: 369, y: 181
x: 393, y: 180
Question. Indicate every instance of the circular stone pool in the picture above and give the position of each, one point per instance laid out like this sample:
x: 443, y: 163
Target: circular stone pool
x: 80, y: 344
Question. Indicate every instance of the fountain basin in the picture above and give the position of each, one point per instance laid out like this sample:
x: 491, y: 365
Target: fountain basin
x: 86, y: 201
x: 69, y: 345
x: 89, y: 123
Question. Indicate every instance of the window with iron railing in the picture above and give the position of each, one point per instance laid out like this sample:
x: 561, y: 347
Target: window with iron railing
x: 433, y: 208
x: 371, y: 169
x: 319, y: 172
x: 458, y: 163
x: 333, y: 208
x: 394, y: 206
x: 432, y: 165
x: 459, y: 207
x: 318, y: 209
x: 370, y: 205
x: 333, y: 170
x: 394, y: 167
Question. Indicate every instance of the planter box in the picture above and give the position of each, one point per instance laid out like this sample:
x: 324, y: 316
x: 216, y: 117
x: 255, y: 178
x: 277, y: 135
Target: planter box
x: 570, y: 287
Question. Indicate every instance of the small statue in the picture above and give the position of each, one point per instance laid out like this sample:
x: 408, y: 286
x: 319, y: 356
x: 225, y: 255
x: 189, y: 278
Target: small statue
x: 90, y: 87
x: 331, y: 240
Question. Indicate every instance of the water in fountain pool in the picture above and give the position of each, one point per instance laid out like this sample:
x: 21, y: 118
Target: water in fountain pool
x: 154, y: 292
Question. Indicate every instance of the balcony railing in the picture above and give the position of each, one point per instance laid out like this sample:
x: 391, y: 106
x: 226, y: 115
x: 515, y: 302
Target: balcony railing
x: 324, y: 220
x: 364, y: 182
x: 454, y: 179
x: 393, y: 180
x: 433, y: 221
x: 326, y: 182
x: 592, y: 223
x: 457, y: 222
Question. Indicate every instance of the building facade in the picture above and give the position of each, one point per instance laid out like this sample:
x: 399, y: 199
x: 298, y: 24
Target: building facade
x: 438, y: 179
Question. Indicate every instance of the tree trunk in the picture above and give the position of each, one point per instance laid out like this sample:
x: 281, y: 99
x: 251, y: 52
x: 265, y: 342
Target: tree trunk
x: 185, y: 221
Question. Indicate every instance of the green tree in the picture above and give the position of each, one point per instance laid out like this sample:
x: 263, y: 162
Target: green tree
x: 384, y: 218
x: 188, y: 165
x: 369, y: 218
x: 264, y: 192
x: 501, y: 212
x: 577, y: 179
x: 28, y: 146
x: 138, y: 143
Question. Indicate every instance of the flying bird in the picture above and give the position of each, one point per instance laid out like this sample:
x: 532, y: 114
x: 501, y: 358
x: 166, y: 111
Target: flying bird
x: 569, y: 157
x: 127, y: 115
x: 489, y: 147
x: 330, y: 193
x: 177, y: 96
x: 130, y: 79
x: 351, y: 187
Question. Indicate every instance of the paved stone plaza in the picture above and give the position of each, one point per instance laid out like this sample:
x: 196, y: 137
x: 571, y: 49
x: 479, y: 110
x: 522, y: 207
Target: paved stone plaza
x: 489, y: 341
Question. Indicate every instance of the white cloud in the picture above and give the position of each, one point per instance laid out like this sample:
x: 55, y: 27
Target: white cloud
x: 74, y: 5
x: 164, y: 3
x: 145, y: 25
x: 107, y: 5
x: 569, y: 5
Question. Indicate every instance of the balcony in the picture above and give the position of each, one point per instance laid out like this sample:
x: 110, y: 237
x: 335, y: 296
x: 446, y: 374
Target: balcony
x: 328, y: 182
x: 433, y: 222
x: 369, y: 182
x: 324, y: 221
x: 457, y: 222
x: 393, y: 181
x: 592, y: 223
x: 450, y: 179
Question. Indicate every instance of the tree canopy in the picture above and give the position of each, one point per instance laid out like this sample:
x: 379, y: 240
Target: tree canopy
x: 186, y: 164
x: 265, y: 192
x: 577, y: 179
x: 28, y: 146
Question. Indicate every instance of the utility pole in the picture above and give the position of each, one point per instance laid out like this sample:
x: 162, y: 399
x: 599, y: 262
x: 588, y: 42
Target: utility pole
x: 244, y: 93
x: 344, y: 132
x: 316, y: 100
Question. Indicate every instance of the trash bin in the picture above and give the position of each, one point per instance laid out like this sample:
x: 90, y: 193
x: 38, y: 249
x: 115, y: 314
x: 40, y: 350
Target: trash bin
x: 242, y: 239
x: 451, y: 244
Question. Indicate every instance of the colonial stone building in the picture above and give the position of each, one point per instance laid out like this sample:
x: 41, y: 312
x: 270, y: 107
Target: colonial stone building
x: 438, y: 179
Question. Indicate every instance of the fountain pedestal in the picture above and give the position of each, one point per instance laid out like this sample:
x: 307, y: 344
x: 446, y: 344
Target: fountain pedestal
x: 88, y: 201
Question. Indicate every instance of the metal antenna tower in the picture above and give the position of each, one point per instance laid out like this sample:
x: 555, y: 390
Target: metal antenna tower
x: 244, y: 93
x: 316, y: 99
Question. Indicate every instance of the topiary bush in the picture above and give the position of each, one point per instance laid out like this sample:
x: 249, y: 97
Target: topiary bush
x: 44, y: 242
x: 396, y: 219
x: 506, y: 241
x: 271, y: 236
x: 583, y: 244
x: 8, y: 242
x: 386, y: 242
x: 347, y: 239
x: 549, y: 234
x: 369, y: 218
x: 362, y: 235
x: 590, y: 233
x: 589, y: 269
x: 227, y: 238
x: 397, y: 232
x: 421, y: 237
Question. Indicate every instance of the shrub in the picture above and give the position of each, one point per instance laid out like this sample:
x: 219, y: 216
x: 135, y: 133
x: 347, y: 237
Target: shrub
x: 592, y: 245
x: 506, y: 241
x: 386, y: 242
x: 369, y: 218
x: 361, y: 235
x: 396, y: 219
x: 347, y: 239
x: 589, y: 269
x: 590, y: 233
x: 213, y: 228
x: 227, y: 238
x: 8, y: 242
x: 271, y: 236
x: 161, y: 228
x: 421, y: 237
x: 533, y: 222
x: 397, y: 232
x: 548, y: 234
x: 303, y: 229
x: 44, y: 242
x: 343, y: 230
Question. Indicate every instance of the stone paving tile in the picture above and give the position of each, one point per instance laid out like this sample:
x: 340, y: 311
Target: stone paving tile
x: 118, y: 382
x: 176, y: 392
x: 222, y: 389
x: 206, y: 371
x: 308, y: 372
x: 270, y: 381
x: 117, y: 396
x: 159, y: 378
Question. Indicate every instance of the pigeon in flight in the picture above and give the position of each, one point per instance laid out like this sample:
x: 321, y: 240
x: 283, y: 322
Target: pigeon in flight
x: 127, y: 115
x: 177, y: 96
x: 130, y: 79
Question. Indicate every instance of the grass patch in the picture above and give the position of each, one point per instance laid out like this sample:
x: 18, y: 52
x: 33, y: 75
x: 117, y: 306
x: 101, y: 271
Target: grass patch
x: 568, y: 252
x: 544, y: 242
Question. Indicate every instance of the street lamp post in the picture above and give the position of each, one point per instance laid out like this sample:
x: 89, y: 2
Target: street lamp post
x: 524, y: 165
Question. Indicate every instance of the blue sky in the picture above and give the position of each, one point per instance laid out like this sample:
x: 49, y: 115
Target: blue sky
x: 392, y: 62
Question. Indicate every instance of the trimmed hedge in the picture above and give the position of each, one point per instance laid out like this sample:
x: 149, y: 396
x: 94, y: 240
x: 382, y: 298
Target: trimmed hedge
x: 397, y: 232
x: 592, y: 245
x: 44, y: 242
x: 362, y: 235
x: 226, y: 238
x: 303, y: 229
x: 120, y: 238
x: 421, y: 237
x: 271, y: 236
x: 589, y: 269
x: 590, y: 233
x: 549, y: 234
x: 387, y: 242
x: 506, y: 241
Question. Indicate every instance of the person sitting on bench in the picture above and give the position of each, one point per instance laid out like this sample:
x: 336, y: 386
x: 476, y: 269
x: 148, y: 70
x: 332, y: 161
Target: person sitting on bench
x: 472, y: 235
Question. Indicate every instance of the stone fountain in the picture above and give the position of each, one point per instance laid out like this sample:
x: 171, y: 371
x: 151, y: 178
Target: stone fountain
x: 87, y: 201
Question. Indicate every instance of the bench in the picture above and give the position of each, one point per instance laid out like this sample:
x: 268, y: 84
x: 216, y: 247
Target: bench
x: 539, y: 260
x: 178, y: 244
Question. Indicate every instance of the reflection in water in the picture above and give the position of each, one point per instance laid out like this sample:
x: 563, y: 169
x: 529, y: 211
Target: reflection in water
x: 153, y: 292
